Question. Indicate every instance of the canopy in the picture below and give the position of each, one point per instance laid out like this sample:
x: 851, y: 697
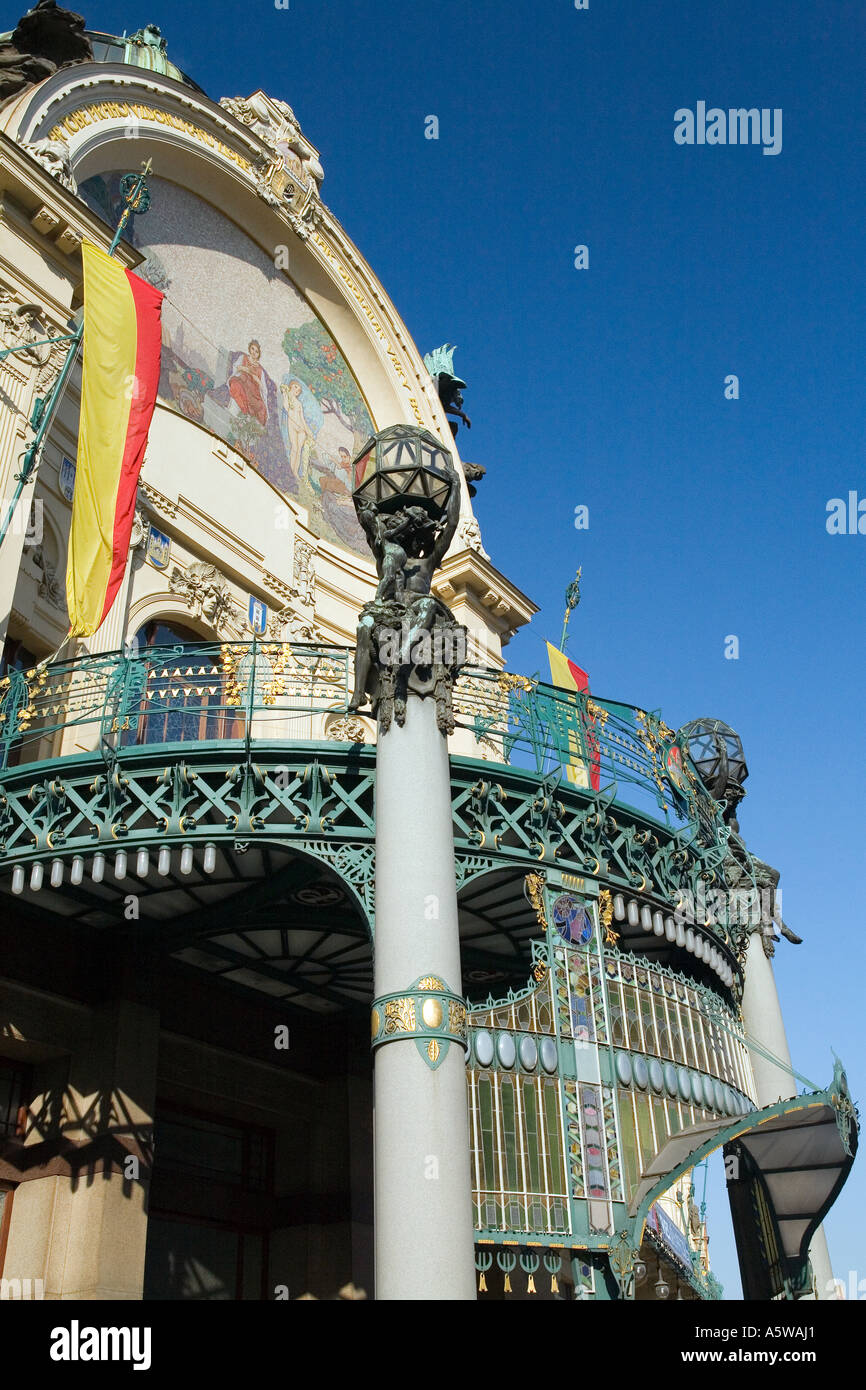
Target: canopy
x: 796, y: 1156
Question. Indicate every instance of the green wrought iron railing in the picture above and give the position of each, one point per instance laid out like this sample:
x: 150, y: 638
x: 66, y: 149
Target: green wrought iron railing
x: 578, y: 739
x: 257, y: 690
x: 167, y: 695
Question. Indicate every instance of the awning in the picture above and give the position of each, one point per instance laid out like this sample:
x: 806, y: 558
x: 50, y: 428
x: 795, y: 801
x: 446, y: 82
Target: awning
x: 799, y: 1152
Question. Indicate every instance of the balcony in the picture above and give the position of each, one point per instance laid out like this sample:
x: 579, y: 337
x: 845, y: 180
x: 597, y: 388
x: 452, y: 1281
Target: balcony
x: 188, y: 746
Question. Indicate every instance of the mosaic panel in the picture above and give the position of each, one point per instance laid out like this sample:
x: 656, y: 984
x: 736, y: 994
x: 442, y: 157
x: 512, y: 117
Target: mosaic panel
x: 244, y: 354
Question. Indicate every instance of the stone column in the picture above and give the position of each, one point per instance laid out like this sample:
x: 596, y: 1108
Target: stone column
x: 774, y: 1080
x: 423, y: 1213
x: 82, y: 1230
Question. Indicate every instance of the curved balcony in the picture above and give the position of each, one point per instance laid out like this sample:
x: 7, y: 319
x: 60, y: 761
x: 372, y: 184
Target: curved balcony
x: 223, y: 744
x: 273, y: 691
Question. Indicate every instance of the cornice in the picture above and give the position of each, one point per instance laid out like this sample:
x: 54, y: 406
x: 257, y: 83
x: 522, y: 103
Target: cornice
x: 29, y: 195
x: 468, y: 575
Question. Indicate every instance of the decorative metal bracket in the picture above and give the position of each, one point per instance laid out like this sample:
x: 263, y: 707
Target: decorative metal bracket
x: 625, y: 1262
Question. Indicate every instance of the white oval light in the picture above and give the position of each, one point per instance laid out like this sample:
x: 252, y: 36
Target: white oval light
x: 633, y: 913
x: 18, y: 879
x: 163, y: 863
x: 646, y: 918
x: 186, y: 859
x: 120, y: 864
x: 36, y: 875
x: 209, y: 858
x: 670, y: 929
x: 619, y: 907
x: 658, y: 924
x: 56, y: 873
x: 97, y: 868
x: 142, y: 863
x: 690, y: 939
x: 76, y: 873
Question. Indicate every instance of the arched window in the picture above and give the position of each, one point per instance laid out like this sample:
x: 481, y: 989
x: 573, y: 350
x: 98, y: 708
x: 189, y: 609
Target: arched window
x: 177, y: 688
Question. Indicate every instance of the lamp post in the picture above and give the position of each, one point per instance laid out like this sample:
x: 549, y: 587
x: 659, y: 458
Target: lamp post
x: 409, y: 650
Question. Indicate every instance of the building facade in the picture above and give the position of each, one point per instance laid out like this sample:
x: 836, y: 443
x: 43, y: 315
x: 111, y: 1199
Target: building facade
x: 188, y: 805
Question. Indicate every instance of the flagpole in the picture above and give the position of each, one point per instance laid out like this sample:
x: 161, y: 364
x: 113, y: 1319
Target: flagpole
x: 136, y: 198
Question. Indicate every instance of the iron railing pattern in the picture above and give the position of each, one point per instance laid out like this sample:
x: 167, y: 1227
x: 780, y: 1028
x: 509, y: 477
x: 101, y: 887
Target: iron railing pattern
x: 214, y: 692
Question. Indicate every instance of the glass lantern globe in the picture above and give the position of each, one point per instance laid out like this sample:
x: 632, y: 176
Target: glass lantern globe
x: 717, y: 752
x: 404, y: 465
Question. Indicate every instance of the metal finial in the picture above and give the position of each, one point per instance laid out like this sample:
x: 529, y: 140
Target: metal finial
x: 572, y: 599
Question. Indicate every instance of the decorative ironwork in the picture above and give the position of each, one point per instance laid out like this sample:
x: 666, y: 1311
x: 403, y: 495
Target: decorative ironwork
x: 238, y: 716
x: 624, y: 1260
x: 429, y: 1013
x: 534, y: 888
x: 605, y: 914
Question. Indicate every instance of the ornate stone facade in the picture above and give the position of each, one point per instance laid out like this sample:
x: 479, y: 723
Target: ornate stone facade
x: 208, y: 597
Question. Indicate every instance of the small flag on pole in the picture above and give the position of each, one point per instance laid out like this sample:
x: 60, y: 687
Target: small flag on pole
x: 122, y: 342
x: 584, y: 766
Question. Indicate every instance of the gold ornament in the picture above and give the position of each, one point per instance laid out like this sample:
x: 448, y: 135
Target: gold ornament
x: 605, y: 913
x: 400, y: 1016
x: 431, y: 1013
x: 534, y: 884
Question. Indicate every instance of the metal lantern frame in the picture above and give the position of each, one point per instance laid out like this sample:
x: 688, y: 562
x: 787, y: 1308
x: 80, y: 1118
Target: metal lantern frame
x: 404, y: 465
x: 715, y: 748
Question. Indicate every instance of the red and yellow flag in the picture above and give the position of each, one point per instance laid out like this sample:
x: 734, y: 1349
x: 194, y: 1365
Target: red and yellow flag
x: 121, y: 374
x: 583, y: 771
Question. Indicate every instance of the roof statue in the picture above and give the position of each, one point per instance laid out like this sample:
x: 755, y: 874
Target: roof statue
x: 440, y: 365
x: 146, y: 48
x: 441, y: 360
x: 45, y: 38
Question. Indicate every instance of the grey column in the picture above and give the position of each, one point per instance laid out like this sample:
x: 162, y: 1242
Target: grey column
x: 424, y: 1224
x: 774, y: 1080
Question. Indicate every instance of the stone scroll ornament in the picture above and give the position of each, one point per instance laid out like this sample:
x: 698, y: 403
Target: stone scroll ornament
x: 407, y: 498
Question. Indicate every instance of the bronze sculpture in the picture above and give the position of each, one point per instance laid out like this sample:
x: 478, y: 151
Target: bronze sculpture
x: 45, y: 39
x: 408, y: 640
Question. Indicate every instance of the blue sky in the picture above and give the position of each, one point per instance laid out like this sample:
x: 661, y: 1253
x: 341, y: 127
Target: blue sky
x: 605, y: 386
